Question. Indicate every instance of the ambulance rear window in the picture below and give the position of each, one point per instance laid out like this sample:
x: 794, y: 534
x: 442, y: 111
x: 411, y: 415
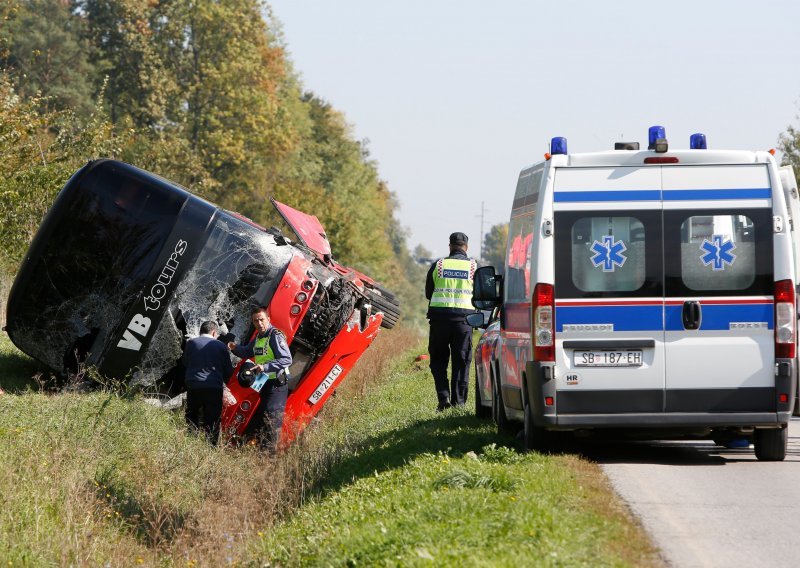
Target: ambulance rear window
x: 608, y: 254
x: 718, y: 252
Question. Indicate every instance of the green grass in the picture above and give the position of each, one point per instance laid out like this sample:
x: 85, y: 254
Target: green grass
x: 380, y: 479
x: 105, y: 479
x: 414, y: 487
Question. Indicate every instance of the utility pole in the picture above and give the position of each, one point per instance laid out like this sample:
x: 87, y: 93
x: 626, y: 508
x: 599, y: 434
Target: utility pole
x: 483, y: 211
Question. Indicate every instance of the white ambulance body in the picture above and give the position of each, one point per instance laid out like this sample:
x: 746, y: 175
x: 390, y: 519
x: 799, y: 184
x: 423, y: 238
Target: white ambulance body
x: 651, y: 291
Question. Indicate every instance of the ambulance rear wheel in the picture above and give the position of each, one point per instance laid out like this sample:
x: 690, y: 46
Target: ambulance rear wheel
x: 535, y: 437
x: 770, y: 443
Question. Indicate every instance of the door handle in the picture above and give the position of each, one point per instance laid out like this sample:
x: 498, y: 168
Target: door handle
x: 691, y: 315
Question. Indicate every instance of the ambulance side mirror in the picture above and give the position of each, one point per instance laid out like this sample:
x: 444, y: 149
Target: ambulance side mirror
x: 486, y: 288
x: 477, y: 320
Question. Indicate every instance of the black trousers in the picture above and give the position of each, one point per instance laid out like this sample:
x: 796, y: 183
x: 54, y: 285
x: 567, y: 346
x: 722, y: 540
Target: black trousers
x: 450, y: 342
x: 204, y: 410
x: 267, y: 419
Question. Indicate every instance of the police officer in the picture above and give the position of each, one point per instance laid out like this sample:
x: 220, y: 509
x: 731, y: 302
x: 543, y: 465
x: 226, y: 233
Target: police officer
x: 448, y: 287
x: 270, y: 352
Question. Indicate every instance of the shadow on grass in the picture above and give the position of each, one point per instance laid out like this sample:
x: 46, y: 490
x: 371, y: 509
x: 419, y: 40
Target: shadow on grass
x: 17, y: 372
x: 151, y: 521
x: 454, y: 434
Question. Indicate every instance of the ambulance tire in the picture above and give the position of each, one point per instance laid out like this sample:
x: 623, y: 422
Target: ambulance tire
x: 770, y: 443
x: 535, y: 437
x: 504, y: 425
x: 481, y: 411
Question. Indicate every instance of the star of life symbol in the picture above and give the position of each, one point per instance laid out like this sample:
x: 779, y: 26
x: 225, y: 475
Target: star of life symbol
x: 608, y: 253
x: 717, y: 252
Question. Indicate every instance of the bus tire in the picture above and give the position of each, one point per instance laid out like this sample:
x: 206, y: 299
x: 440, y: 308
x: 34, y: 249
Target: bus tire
x: 770, y: 443
x: 388, y: 305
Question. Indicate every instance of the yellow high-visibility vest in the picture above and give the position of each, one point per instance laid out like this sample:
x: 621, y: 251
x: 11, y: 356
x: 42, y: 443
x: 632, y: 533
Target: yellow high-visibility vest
x: 262, y: 352
x: 452, y: 282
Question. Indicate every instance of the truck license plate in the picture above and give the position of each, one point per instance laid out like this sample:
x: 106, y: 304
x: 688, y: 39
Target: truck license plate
x: 608, y: 358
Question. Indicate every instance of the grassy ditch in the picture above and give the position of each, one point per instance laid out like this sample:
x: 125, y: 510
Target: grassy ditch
x: 106, y: 479
x: 380, y: 478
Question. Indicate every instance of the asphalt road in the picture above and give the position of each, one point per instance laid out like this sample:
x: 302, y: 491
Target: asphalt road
x: 705, y: 505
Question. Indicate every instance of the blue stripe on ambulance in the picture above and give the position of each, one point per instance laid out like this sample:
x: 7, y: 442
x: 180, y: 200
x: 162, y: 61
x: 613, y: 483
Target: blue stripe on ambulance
x: 616, y: 195
x: 721, y: 316
x: 705, y: 194
x: 665, y: 195
x: 656, y: 318
x: 623, y: 318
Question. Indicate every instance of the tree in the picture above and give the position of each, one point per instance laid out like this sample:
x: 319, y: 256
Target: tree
x: 341, y: 186
x: 201, y: 92
x: 229, y: 73
x: 127, y: 60
x: 494, y: 246
x: 40, y: 151
x: 47, y: 55
x: 422, y: 255
x: 789, y: 145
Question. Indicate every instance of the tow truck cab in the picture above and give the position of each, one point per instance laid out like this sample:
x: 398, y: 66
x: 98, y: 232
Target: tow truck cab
x: 650, y: 292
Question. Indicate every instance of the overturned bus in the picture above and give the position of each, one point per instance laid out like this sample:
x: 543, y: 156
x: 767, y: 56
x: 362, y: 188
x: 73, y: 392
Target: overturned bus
x: 126, y: 265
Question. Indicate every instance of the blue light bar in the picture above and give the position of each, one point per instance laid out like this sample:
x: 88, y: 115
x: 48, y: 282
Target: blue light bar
x: 697, y: 141
x: 558, y: 145
x: 654, y: 134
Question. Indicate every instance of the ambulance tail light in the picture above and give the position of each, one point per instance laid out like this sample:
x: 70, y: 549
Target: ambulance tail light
x: 661, y: 160
x: 785, y: 320
x: 543, y: 323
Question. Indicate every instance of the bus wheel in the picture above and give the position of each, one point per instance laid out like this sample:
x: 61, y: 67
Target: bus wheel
x: 384, y: 301
x: 771, y: 443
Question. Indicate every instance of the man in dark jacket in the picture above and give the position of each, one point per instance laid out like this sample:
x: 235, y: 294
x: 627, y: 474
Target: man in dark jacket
x: 270, y: 352
x: 208, y: 367
x: 448, y: 287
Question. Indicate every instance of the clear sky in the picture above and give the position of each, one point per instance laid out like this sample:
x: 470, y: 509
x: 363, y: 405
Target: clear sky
x: 456, y: 97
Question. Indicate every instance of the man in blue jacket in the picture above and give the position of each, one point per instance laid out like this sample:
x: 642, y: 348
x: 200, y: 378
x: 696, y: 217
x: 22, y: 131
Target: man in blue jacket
x: 270, y: 352
x: 208, y: 367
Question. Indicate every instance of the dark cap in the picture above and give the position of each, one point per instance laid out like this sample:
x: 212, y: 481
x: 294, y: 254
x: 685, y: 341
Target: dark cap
x: 458, y: 239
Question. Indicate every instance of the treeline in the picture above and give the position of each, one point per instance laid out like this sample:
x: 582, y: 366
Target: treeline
x: 199, y: 91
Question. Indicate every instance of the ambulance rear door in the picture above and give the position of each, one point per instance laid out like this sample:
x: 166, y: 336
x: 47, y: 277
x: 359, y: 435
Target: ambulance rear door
x: 718, y: 231
x: 609, y: 290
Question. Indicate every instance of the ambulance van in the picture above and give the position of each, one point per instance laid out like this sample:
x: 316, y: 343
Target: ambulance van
x: 649, y: 292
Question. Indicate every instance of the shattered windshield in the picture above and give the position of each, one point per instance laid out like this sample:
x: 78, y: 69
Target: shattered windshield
x: 240, y: 265
x: 95, y: 254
